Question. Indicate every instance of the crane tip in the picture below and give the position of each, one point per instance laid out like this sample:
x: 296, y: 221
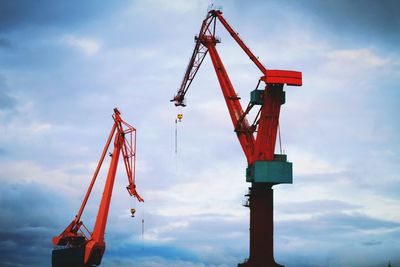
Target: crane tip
x: 117, y: 111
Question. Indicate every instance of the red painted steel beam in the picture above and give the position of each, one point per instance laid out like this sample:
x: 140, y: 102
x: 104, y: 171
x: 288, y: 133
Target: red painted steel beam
x: 197, y: 58
x: 235, y: 109
x: 268, y: 123
x: 96, y: 172
x: 236, y: 37
x: 97, y: 240
x: 288, y: 77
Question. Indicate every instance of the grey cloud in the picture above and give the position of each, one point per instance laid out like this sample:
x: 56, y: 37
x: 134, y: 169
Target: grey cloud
x: 372, y: 243
x: 368, y: 18
x: 187, y: 241
x: 155, y: 262
x: 297, y: 260
x: 334, y: 224
x: 165, y: 251
x: 17, y: 13
x: 6, y: 101
x: 29, y: 218
x: 5, y: 44
x: 361, y: 222
x: 317, y: 206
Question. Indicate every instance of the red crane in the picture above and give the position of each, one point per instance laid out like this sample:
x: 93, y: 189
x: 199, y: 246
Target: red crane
x: 257, y: 139
x: 80, y: 247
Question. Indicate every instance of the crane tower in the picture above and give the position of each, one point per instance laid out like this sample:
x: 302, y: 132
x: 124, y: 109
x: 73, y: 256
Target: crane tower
x: 265, y: 168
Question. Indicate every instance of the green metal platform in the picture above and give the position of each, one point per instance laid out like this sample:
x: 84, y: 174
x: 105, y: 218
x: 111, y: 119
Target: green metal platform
x: 257, y: 97
x: 278, y: 171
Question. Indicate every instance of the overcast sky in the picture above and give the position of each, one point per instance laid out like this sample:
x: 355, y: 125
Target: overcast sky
x: 64, y: 66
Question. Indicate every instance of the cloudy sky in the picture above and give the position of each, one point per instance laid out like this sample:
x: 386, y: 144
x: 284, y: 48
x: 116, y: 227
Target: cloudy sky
x: 64, y: 66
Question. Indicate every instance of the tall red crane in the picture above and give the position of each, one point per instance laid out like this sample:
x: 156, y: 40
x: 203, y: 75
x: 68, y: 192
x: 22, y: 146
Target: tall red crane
x: 77, y: 245
x: 265, y: 168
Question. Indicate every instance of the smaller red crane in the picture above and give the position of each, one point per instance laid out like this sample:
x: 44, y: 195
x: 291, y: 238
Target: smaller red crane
x: 80, y: 247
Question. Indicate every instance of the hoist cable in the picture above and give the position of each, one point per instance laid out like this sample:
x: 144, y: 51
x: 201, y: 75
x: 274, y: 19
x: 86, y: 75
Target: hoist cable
x: 279, y: 135
x: 176, y: 136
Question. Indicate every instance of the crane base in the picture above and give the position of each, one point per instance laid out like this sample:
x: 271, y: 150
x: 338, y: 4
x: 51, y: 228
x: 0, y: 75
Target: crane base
x: 249, y: 264
x: 68, y: 257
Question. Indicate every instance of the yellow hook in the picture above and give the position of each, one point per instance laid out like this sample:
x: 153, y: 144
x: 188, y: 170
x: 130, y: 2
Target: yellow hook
x: 133, y: 212
x: 180, y: 117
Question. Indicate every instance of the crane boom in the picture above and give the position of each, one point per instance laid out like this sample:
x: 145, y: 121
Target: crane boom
x: 200, y: 51
x: 244, y: 132
x: 236, y: 37
x: 198, y: 55
x: 80, y: 247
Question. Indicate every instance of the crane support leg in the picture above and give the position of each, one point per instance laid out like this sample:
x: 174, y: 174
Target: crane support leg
x: 261, y: 227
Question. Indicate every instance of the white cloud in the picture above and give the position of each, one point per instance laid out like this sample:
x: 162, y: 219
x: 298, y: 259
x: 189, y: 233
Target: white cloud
x: 361, y: 58
x: 21, y: 125
x: 306, y: 164
x: 155, y: 234
x: 357, y: 67
x: 86, y: 45
x: 60, y: 179
x: 216, y: 190
x: 38, y: 128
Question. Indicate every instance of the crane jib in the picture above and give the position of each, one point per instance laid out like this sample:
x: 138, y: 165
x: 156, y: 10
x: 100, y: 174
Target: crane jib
x: 252, y: 141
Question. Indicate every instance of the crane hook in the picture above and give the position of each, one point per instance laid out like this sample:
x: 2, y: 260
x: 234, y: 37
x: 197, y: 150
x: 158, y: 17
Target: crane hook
x: 180, y: 117
x: 133, y: 212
